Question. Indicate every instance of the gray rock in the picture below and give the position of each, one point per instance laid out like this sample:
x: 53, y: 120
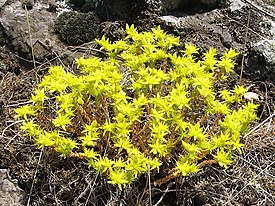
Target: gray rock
x: 168, y: 5
x: 236, y: 5
x: 10, y: 193
x: 2, y: 2
x: 15, y: 30
x: 267, y: 48
x: 260, y: 57
x: 209, y: 2
x: 28, y: 4
x: 261, y: 62
x: 203, y: 23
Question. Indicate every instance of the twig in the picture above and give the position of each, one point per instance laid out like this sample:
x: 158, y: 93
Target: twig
x: 32, y: 50
x: 166, y: 191
x: 251, y: 30
x: 255, y: 177
x: 24, y: 101
x: 143, y: 193
x: 249, y: 163
x: 150, y: 188
x: 259, y: 125
x: 29, y: 199
x: 16, y: 122
x: 90, y: 187
x: 260, y: 9
x: 244, y: 46
x: 161, y: 181
x: 91, y: 190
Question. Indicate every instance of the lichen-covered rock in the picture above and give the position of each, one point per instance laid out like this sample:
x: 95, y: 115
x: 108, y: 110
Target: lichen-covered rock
x: 77, y: 28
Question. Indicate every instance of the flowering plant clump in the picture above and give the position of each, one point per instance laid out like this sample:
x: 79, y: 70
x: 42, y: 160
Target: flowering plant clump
x: 165, y: 113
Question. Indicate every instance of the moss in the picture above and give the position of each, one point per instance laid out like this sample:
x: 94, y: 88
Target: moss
x: 77, y: 28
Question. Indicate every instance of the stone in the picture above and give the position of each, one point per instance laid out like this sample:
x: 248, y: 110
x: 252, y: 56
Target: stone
x: 14, y: 31
x: 2, y: 2
x: 170, y: 5
x: 261, y: 62
x: 10, y: 193
x: 236, y: 5
x: 28, y: 4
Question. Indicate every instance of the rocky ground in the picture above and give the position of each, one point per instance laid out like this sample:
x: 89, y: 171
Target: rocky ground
x: 30, y: 43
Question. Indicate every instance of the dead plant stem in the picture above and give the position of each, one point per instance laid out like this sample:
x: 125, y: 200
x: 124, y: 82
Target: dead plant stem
x: 31, y: 45
x: 244, y: 46
x: 150, y: 188
x: 34, y: 178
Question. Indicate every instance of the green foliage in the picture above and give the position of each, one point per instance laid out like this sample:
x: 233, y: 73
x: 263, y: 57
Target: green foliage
x: 170, y: 115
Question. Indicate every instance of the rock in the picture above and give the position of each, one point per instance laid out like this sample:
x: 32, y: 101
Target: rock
x: 2, y: 2
x: 210, y: 2
x: 108, y: 9
x: 15, y: 27
x: 261, y: 62
x: 28, y: 4
x: 236, y: 5
x: 216, y: 29
x: 10, y: 193
x: 113, y: 30
x: 88, y: 5
x: 52, y: 5
x: 122, y: 9
x: 170, y: 5
x: 14, y: 31
x: 214, y: 35
x: 267, y: 48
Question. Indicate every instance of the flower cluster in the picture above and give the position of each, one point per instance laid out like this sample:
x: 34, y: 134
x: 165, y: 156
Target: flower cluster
x: 168, y: 114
